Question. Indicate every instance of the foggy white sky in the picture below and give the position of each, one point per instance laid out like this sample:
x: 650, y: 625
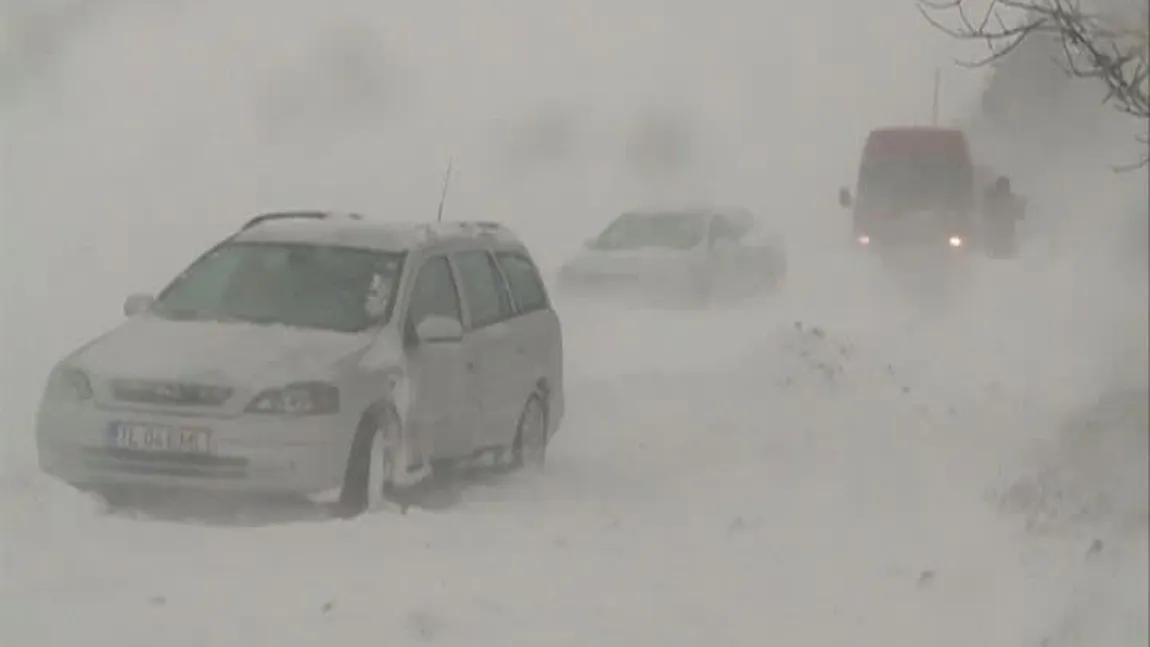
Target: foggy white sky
x: 162, y: 125
x: 774, y: 90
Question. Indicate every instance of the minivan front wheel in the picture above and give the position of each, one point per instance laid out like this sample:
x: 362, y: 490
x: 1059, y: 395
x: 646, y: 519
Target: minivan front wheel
x: 530, y: 446
x: 370, y: 464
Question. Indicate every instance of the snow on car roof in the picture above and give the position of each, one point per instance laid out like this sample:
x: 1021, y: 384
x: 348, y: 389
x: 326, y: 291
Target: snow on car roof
x: 695, y: 210
x: 353, y: 230
x: 659, y: 212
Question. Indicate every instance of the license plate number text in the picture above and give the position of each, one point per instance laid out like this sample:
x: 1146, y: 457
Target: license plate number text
x: 155, y: 438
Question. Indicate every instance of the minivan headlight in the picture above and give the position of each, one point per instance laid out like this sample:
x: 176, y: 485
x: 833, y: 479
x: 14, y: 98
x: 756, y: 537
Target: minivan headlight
x: 300, y: 399
x: 70, y: 384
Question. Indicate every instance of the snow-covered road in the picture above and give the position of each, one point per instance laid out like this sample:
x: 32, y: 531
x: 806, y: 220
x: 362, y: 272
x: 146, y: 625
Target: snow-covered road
x: 763, y: 475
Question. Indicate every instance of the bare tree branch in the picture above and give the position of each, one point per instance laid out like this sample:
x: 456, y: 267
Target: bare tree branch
x: 1108, y: 47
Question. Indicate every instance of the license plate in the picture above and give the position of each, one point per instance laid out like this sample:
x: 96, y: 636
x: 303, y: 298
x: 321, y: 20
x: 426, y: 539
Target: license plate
x: 159, y: 438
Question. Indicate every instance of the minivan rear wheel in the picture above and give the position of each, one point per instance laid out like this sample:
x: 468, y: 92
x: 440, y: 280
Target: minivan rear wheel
x: 530, y: 447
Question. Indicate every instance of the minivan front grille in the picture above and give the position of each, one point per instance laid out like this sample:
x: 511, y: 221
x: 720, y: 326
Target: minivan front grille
x: 171, y: 393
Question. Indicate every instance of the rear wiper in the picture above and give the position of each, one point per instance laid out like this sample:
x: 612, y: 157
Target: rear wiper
x: 192, y: 314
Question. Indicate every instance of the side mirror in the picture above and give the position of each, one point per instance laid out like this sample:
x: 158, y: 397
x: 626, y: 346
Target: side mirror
x: 436, y: 329
x: 844, y: 197
x: 138, y: 304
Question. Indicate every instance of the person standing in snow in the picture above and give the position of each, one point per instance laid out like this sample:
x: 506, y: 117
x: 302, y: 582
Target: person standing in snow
x: 1002, y: 210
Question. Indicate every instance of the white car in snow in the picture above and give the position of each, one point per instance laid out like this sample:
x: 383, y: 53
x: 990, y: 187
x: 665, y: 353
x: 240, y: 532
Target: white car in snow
x: 677, y: 255
x: 311, y: 352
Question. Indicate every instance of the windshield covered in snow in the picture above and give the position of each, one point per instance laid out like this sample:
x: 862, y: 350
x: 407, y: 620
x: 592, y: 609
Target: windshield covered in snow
x: 675, y: 230
x: 306, y: 286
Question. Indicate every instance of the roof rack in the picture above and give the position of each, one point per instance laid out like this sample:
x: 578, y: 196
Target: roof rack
x: 291, y: 215
x: 486, y: 224
x: 473, y: 228
x: 484, y: 228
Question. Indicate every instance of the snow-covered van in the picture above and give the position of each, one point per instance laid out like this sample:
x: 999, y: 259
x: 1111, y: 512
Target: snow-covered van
x: 915, y: 187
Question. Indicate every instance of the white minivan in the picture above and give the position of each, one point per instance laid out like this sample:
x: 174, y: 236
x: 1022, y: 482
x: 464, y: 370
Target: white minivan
x: 311, y: 352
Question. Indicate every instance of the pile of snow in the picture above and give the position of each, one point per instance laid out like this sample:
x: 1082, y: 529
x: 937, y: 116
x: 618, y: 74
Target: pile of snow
x: 802, y: 363
x: 807, y: 356
x: 1109, y: 597
x: 1095, y: 474
x: 781, y: 465
x: 1084, y: 502
x: 30, y: 499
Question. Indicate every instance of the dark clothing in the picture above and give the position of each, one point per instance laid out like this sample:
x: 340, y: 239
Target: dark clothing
x: 1001, y: 212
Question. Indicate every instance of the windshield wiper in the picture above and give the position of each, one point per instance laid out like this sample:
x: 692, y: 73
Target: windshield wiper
x: 261, y: 320
x: 179, y: 314
x: 194, y: 314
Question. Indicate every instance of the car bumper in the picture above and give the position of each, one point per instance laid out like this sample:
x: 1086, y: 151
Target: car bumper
x: 254, y: 454
x: 935, y: 246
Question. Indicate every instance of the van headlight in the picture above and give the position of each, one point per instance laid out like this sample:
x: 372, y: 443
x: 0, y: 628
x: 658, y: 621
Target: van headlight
x: 300, y: 399
x: 69, y: 384
x: 956, y: 241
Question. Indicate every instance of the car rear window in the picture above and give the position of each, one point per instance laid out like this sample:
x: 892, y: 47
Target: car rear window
x: 526, y: 284
x: 487, y: 299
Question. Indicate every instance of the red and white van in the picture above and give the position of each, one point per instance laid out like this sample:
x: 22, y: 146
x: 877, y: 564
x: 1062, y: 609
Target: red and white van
x: 916, y: 186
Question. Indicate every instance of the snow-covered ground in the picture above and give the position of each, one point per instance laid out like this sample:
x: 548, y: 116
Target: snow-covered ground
x: 837, y: 466
x: 799, y: 478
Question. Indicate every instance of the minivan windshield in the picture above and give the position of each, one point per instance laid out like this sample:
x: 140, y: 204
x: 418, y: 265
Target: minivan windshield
x: 673, y: 230
x: 301, y: 285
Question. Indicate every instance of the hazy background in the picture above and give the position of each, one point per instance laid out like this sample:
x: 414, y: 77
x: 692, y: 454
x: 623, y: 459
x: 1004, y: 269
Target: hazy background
x: 148, y: 130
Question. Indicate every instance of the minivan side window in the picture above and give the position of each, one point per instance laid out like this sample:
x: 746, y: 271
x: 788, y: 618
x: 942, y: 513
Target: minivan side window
x: 434, y: 293
x: 488, y: 301
x: 526, y: 284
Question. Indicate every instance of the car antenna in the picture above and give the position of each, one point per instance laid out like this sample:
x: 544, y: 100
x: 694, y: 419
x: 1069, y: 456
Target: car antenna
x: 443, y: 194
